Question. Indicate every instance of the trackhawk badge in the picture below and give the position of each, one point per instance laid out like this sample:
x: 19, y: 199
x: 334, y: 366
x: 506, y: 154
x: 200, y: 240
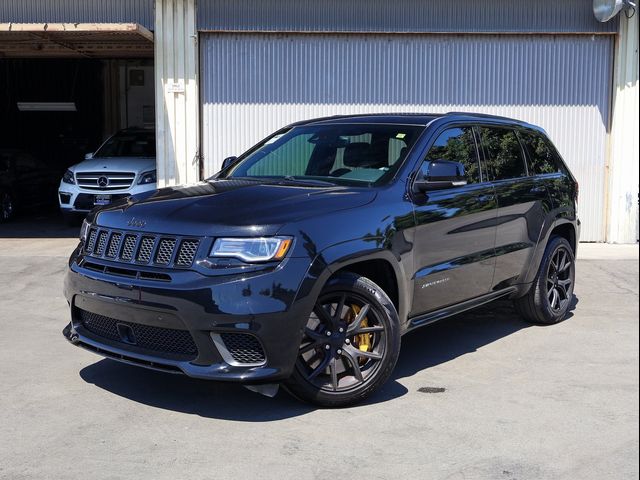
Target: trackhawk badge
x: 134, y: 222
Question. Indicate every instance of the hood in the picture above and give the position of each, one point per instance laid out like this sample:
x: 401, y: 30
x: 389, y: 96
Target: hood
x: 116, y: 164
x: 229, y: 207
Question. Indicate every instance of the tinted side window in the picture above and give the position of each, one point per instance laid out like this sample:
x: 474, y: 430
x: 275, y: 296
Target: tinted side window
x: 503, y: 153
x: 542, y: 157
x: 458, y: 145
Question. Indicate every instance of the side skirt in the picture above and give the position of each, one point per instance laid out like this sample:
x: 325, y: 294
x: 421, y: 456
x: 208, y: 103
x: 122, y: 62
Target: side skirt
x: 431, y: 317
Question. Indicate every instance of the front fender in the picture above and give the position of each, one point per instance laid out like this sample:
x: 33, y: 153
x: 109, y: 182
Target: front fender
x: 341, y: 255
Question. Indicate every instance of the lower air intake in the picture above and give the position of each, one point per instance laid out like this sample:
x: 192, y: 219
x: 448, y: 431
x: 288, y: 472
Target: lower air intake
x: 244, y: 348
x: 165, y: 340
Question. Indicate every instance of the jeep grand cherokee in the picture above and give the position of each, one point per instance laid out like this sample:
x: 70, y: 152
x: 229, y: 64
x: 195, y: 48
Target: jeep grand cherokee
x: 303, y: 261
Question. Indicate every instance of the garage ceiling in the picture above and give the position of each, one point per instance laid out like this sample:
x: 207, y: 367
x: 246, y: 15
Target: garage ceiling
x: 75, y: 40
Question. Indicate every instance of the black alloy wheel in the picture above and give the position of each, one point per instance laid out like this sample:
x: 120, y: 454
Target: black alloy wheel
x: 350, y: 343
x: 551, y: 293
x: 560, y: 279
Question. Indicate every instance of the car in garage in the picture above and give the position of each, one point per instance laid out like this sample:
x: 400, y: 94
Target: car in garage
x: 25, y: 183
x: 124, y: 165
x: 306, y: 258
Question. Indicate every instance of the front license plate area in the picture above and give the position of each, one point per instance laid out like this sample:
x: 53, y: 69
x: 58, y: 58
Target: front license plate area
x: 102, y: 200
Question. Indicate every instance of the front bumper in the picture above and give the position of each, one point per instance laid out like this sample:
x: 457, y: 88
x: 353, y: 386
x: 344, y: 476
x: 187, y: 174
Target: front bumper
x: 73, y: 199
x: 265, y: 305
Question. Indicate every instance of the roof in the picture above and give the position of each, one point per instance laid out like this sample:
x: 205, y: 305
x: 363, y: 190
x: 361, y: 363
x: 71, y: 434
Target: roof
x: 75, y: 40
x: 421, y: 119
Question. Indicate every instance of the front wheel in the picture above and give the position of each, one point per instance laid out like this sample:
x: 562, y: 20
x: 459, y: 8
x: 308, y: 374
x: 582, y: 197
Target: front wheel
x: 350, y: 344
x: 550, y: 296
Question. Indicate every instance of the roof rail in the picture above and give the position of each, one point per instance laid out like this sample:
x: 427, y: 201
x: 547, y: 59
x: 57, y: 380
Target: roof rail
x: 487, y: 115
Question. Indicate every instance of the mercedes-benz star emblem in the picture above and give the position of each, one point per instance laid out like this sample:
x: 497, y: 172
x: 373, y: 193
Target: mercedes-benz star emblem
x: 103, y: 182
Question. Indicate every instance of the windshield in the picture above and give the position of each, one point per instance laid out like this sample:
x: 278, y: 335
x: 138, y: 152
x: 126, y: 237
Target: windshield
x: 139, y: 144
x: 352, y: 154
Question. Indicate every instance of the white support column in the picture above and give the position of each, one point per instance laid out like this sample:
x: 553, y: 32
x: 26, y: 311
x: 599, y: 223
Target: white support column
x: 176, y: 67
x: 623, y: 155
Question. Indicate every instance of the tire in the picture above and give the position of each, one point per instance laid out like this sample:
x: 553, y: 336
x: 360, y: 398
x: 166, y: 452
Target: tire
x: 7, y: 207
x: 556, y: 274
x: 338, y: 368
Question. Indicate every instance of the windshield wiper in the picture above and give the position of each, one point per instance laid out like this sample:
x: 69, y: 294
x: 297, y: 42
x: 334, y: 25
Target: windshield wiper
x: 285, y: 180
x: 308, y: 181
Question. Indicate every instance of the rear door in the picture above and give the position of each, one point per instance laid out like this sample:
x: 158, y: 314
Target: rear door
x: 455, y: 229
x: 523, y: 203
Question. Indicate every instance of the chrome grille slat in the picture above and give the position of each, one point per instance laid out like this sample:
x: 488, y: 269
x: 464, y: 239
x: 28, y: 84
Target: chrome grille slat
x: 116, y: 180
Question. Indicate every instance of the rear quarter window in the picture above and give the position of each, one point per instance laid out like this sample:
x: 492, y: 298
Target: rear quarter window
x: 542, y: 157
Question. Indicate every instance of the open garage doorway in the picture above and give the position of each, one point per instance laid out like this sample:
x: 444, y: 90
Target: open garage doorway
x: 64, y: 89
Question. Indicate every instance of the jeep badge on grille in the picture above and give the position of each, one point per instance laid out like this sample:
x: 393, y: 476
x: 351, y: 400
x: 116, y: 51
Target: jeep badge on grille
x: 134, y: 222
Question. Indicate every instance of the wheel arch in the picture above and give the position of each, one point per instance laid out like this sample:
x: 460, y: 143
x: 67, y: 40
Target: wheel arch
x: 379, y: 265
x: 561, y: 227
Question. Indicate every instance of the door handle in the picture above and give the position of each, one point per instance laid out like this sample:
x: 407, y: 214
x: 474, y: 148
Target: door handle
x: 540, y: 189
x: 485, y: 198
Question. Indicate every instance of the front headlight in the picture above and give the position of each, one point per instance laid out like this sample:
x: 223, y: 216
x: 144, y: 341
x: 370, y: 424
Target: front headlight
x: 83, y: 230
x: 262, y: 249
x: 68, y: 177
x: 147, y: 177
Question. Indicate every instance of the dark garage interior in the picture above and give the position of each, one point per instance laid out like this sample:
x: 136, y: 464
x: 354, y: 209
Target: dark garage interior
x: 62, y: 93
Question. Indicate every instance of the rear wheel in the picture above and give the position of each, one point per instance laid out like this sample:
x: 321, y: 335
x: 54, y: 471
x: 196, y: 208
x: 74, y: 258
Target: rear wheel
x: 552, y: 291
x: 7, y: 207
x: 350, y: 345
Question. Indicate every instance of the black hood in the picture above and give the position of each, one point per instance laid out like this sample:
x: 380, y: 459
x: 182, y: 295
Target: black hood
x: 229, y: 207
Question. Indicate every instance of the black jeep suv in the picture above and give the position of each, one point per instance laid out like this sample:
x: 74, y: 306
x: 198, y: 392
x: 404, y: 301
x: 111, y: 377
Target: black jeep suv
x: 306, y: 259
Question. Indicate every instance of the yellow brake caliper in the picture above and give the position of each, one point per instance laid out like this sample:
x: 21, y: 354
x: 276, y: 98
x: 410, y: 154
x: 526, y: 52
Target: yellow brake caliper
x: 362, y: 341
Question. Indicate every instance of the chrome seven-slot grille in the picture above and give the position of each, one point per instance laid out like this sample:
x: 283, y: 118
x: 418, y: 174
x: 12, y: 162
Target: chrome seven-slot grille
x: 105, y: 180
x: 141, y: 248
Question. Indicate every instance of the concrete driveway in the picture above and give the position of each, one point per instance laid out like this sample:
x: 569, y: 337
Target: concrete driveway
x: 481, y: 395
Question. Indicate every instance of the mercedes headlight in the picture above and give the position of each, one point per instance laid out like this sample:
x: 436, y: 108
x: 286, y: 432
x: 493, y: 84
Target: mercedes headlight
x: 147, y: 177
x: 68, y: 177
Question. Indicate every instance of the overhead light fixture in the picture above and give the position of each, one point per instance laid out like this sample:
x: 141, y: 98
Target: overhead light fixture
x: 47, y: 106
x: 605, y: 10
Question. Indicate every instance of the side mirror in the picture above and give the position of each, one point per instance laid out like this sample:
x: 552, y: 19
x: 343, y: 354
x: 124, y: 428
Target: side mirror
x: 88, y: 156
x: 440, y: 174
x: 227, y: 162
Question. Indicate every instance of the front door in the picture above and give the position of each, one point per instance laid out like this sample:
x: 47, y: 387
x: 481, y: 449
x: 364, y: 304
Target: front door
x: 455, y: 230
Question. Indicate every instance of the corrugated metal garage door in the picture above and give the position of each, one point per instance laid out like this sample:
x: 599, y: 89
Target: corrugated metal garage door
x: 252, y: 84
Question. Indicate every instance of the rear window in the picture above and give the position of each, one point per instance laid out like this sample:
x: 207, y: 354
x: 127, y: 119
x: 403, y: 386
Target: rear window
x: 541, y: 155
x: 503, y: 153
x: 129, y: 145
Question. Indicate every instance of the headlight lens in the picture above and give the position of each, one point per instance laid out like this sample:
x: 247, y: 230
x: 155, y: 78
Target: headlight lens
x: 147, y: 177
x: 83, y: 230
x: 262, y: 249
x: 68, y: 177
